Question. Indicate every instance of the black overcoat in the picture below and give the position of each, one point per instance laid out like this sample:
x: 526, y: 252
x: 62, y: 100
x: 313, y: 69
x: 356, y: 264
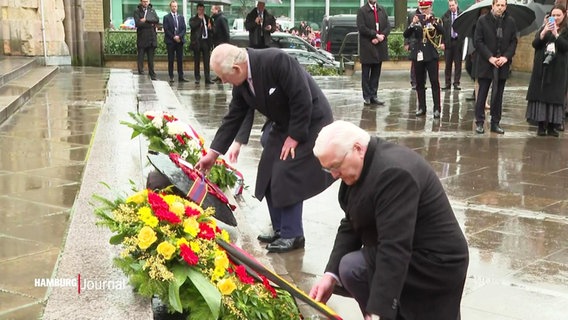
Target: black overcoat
x: 447, y: 23
x: 259, y: 37
x: 196, y: 25
x: 548, y: 82
x: 487, y: 46
x: 146, y: 31
x: 369, y: 52
x: 398, y: 211
x: 221, y: 33
x: 289, y: 97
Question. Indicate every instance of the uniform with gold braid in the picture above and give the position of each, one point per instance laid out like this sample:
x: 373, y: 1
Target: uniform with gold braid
x: 429, y: 32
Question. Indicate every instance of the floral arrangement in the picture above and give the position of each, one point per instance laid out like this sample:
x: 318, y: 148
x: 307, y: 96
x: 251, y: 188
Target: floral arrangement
x: 169, y: 250
x: 167, y: 134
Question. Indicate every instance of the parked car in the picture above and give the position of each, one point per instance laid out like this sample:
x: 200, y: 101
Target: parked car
x: 293, y: 45
x: 333, y: 31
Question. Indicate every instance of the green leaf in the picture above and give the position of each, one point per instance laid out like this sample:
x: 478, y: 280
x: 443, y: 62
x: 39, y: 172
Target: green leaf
x: 117, y: 239
x: 180, y: 275
x: 209, y: 292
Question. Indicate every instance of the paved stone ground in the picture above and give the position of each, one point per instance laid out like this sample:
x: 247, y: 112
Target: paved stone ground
x: 509, y: 192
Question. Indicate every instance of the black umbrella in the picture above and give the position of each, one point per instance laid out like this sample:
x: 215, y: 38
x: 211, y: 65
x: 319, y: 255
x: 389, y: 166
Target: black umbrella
x: 213, y: 2
x: 185, y: 184
x: 539, y: 12
x: 464, y: 23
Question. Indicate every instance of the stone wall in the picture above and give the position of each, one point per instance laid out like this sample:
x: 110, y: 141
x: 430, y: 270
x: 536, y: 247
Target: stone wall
x: 20, y: 28
x: 523, y: 59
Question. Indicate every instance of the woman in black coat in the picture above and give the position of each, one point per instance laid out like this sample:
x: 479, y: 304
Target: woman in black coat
x: 547, y: 88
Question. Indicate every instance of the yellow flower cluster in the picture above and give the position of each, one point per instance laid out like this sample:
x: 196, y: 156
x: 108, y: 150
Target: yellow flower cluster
x: 158, y: 269
x: 125, y: 214
x: 146, y: 237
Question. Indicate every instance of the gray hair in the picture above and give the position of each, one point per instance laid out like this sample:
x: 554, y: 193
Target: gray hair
x: 231, y: 55
x: 340, y: 136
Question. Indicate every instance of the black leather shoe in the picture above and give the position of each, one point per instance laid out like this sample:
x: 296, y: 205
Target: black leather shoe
x: 183, y: 80
x: 197, y: 81
x: 420, y: 113
x: 497, y: 129
x: 171, y: 80
x: 436, y: 114
x: 209, y: 82
x: 286, y: 244
x: 153, y: 78
x: 552, y: 131
x: 377, y: 102
x: 367, y: 102
x: 446, y: 88
x: 269, y: 238
x: 479, y: 129
x: 457, y: 88
x: 560, y: 127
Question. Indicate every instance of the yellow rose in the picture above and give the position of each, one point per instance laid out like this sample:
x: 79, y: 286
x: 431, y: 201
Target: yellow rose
x: 146, y: 216
x: 170, y: 198
x: 221, y: 260
x: 218, y: 273
x: 166, y: 249
x: 183, y: 241
x: 146, y: 237
x: 178, y: 209
x: 191, y: 227
x: 226, y: 286
x: 225, y: 235
x: 139, y: 197
x: 194, y: 245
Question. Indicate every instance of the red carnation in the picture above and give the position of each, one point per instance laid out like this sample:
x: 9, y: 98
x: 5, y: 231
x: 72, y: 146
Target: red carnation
x: 188, y: 255
x: 268, y: 286
x: 243, y: 276
x: 162, y: 209
x: 180, y: 139
x: 206, y: 232
x: 150, y: 117
x: 191, y: 212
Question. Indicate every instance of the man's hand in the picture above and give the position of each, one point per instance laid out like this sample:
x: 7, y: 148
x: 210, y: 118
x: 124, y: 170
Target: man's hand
x: 234, y: 151
x: 322, y: 290
x: 374, y: 41
x: 289, y: 148
x: 442, y: 46
x: 177, y: 39
x: 381, y: 37
x: 206, y: 162
x: 268, y: 28
x: 142, y: 20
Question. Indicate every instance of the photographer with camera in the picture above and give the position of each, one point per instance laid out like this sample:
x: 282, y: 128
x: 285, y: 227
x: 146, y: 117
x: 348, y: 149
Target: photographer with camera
x: 547, y: 88
x: 428, y: 33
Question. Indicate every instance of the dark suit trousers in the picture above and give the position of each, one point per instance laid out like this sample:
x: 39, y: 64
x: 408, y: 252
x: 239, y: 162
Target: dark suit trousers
x: 432, y: 67
x: 453, y: 56
x: 354, y: 276
x: 496, y: 102
x: 149, y: 51
x: 175, y: 50
x: 287, y: 220
x: 370, y: 75
x: 205, y: 50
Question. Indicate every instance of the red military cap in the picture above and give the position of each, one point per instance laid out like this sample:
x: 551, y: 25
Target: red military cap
x: 424, y: 4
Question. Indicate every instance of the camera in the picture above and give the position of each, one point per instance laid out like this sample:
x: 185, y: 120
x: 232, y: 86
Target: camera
x: 548, y: 57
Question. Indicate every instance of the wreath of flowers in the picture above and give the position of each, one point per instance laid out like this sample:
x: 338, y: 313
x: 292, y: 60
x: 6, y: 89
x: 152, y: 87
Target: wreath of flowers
x: 167, y: 134
x: 169, y: 250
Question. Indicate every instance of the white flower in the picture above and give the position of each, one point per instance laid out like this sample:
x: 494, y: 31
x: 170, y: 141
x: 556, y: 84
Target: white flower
x: 168, y: 142
x: 158, y: 122
x: 177, y: 127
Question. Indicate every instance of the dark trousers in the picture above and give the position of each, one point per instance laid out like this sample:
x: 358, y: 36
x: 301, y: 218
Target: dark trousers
x: 453, y: 56
x: 412, y: 74
x: 149, y: 52
x: 175, y: 50
x: 203, y: 49
x: 354, y: 276
x: 496, y: 100
x: 287, y: 220
x: 370, y: 74
x: 432, y: 67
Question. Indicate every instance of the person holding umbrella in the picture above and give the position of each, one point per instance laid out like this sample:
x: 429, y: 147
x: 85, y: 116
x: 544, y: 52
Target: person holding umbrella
x: 547, y: 88
x: 495, y: 42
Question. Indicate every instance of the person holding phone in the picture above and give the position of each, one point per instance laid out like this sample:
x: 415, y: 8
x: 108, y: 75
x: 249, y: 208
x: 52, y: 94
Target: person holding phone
x: 547, y: 88
x: 429, y: 34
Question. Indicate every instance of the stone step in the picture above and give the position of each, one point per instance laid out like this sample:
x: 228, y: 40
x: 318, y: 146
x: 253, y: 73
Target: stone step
x: 20, y: 79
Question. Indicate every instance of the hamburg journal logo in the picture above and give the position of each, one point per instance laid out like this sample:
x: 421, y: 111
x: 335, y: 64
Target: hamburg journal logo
x: 81, y: 284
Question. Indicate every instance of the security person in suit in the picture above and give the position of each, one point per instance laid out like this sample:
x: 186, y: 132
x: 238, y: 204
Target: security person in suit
x: 260, y: 24
x: 146, y: 19
x: 399, y: 251
x: 275, y: 84
x: 174, y: 37
x: 201, y: 33
x: 453, y: 47
x: 428, y: 32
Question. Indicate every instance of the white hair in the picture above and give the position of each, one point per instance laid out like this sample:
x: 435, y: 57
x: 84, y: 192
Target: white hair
x: 226, y: 56
x: 340, y: 136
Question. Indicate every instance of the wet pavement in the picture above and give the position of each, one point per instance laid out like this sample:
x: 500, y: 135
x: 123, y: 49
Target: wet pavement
x: 509, y: 192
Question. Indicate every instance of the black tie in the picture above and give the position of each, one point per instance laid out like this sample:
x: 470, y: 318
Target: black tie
x: 176, y: 20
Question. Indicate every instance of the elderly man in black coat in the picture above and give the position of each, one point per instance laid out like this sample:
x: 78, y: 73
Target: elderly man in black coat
x: 399, y: 251
x: 374, y: 28
x: 146, y: 19
x: 275, y: 84
x: 495, y: 43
